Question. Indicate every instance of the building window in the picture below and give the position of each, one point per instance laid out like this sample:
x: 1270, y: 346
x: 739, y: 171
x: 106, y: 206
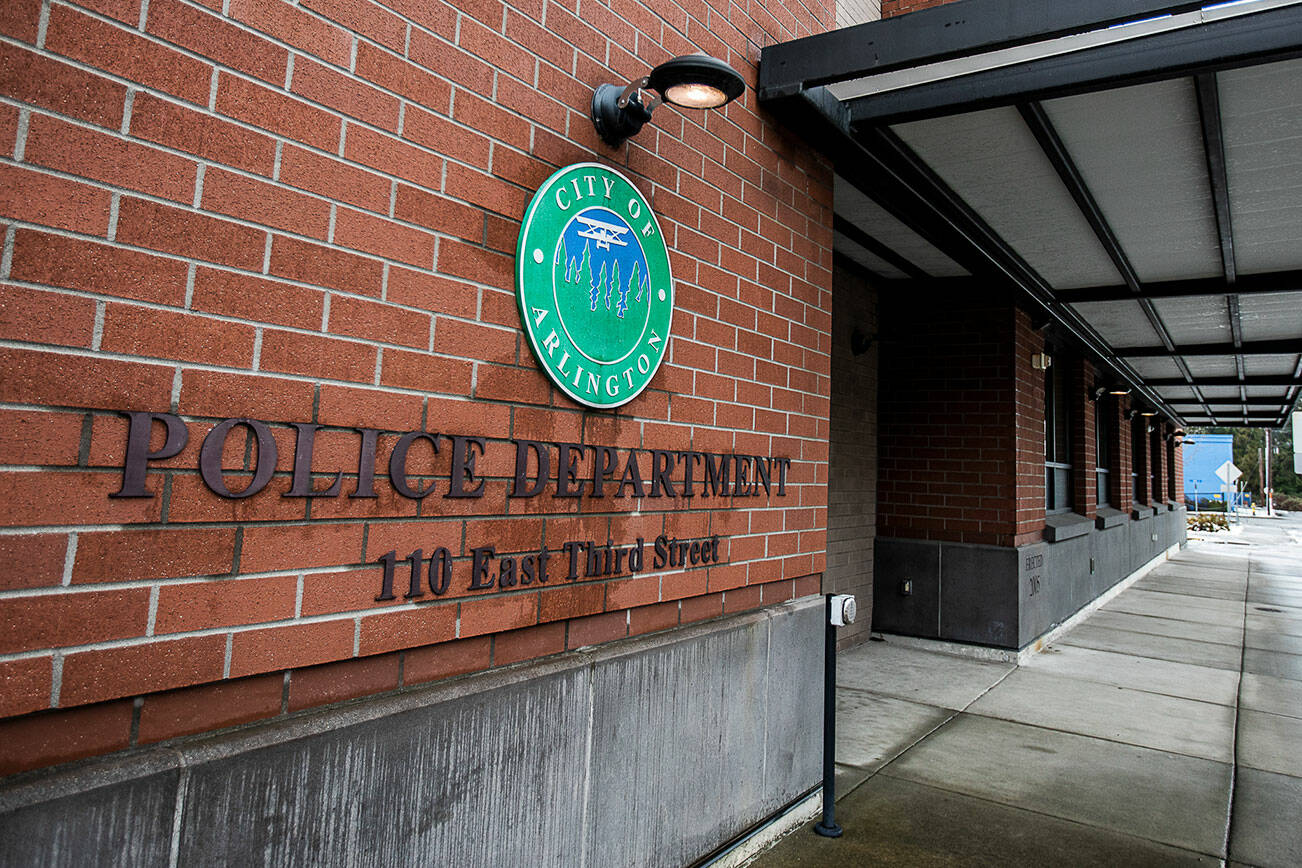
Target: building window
x: 1057, y: 441
x: 1103, y: 428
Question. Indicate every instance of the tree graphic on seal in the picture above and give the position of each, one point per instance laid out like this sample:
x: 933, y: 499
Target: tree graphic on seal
x: 605, y: 288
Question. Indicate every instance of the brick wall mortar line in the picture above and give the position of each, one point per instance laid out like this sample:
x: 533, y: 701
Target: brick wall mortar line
x: 257, y: 348
x: 56, y: 678
x: 291, y: 50
x: 175, y: 397
x: 218, y: 317
x: 128, y: 105
x: 97, y: 333
x: 266, y: 253
x: 20, y: 135
x: 153, y: 610
x: 229, y: 631
x: 198, y: 185
x: 70, y: 556
x: 7, y: 259
x: 169, y: 363
x: 115, y: 203
x: 43, y: 24
x: 212, y: 111
x: 262, y: 227
x: 212, y: 86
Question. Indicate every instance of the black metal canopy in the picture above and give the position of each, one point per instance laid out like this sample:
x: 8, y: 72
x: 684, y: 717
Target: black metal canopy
x: 1133, y: 169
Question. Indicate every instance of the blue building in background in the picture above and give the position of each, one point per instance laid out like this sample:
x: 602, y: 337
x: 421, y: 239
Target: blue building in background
x: 1203, y: 454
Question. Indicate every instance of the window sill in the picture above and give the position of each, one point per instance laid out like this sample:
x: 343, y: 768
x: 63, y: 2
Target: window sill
x: 1109, y: 517
x: 1065, y: 525
x: 1139, y: 511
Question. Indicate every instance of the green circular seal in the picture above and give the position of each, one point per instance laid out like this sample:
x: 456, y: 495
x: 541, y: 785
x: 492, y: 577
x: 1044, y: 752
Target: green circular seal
x: 592, y: 280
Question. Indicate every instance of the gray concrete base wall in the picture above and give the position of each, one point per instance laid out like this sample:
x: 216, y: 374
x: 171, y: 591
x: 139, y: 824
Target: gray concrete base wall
x: 1005, y: 597
x: 652, y: 751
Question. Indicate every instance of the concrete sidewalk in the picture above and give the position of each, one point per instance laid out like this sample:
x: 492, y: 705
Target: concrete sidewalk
x: 1164, y: 729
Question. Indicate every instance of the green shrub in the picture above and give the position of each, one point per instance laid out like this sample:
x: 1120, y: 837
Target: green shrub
x: 1289, y: 502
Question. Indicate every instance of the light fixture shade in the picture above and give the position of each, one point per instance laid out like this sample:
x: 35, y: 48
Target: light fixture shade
x: 690, y: 81
x: 696, y: 81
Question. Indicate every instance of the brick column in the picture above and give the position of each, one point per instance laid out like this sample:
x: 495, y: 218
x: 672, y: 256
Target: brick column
x: 1084, y: 449
x: 1143, y: 490
x: 1177, y: 471
x: 1121, y: 494
x: 1157, y: 468
x: 1028, y: 441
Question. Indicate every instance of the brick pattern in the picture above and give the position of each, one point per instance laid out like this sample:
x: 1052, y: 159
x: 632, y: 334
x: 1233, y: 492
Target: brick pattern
x: 1028, y: 437
x: 1084, y: 449
x: 852, y: 490
x: 951, y: 464
x: 1175, y: 474
x: 307, y: 213
x: 1141, y: 455
x: 1122, y: 488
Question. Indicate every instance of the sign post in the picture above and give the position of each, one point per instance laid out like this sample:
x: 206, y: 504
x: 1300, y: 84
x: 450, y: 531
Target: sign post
x: 1228, y: 474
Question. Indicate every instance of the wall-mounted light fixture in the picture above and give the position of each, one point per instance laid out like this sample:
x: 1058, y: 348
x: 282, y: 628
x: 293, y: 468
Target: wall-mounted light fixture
x: 861, y: 341
x: 1099, y: 392
x: 694, y: 81
x: 1132, y: 414
x: 1148, y: 412
x: 1119, y: 390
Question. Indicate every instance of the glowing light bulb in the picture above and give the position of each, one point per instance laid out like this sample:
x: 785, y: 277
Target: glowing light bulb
x: 697, y: 96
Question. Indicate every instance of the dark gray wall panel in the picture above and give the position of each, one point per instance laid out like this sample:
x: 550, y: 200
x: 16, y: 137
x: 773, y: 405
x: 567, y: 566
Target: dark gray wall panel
x: 111, y: 822
x: 1005, y: 597
x: 978, y: 594
x: 895, y: 560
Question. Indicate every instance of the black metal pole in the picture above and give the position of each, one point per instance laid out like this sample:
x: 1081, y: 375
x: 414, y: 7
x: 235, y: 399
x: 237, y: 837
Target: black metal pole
x: 828, y: 828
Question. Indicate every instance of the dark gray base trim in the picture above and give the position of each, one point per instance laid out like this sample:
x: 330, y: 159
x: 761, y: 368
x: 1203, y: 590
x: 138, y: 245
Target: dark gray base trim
x: 1108, y: 517
x: 1005, y: 597
x: 1066, y: 525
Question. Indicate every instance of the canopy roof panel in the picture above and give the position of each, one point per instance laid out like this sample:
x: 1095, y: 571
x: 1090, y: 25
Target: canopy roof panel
x: 1132, y: 168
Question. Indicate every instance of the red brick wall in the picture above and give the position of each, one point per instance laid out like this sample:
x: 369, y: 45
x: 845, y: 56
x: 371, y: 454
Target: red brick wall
x: 1028, y: 424
x: 1177, y: 470
x: 1143, y: 486
x: 961, y: 421
x: 1122, y: 489
x: 308, y: 213
x: 1084, y: 449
